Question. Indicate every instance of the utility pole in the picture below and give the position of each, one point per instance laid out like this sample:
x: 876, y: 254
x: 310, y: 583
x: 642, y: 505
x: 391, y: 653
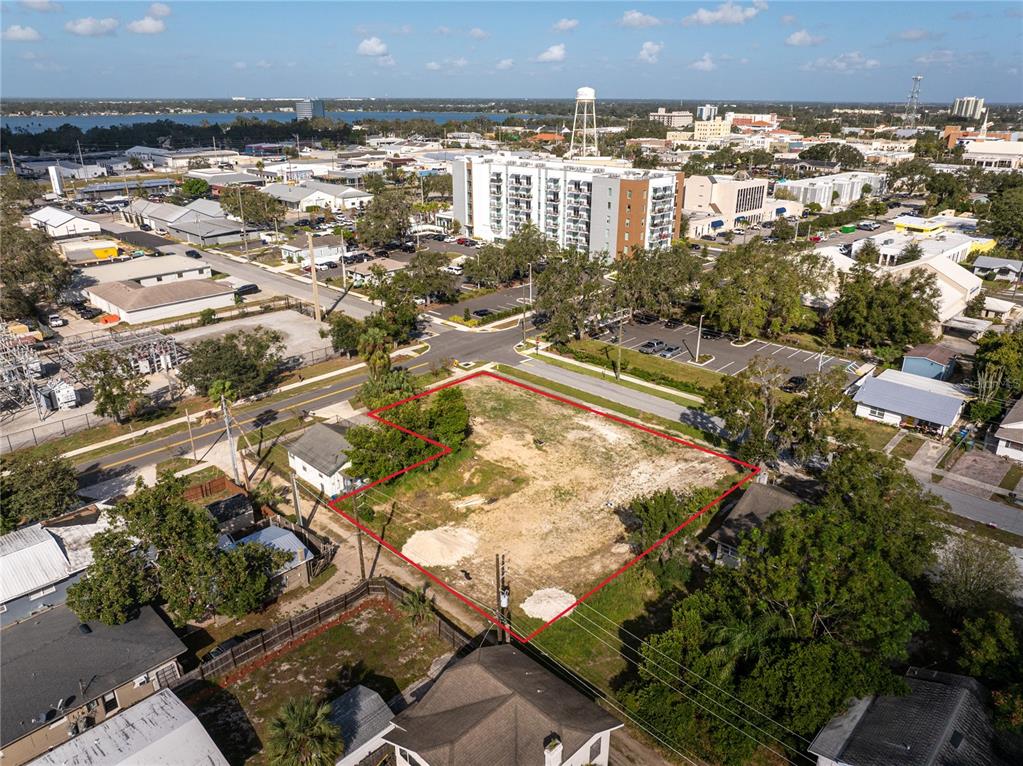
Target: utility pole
x: 230, y: 438
x: 81, y: 160
x: 241, y: 214
x: 10, y: 156
x: 503, y: 597
x: 191, y: 439
x: 699, y: 336
x: 295, y: 500
x: 358, y: 538
x: 317, y: 309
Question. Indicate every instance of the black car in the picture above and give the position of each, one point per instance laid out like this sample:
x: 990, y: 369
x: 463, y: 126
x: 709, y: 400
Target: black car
x: 381, y: 252
x: 438, y: 237
x: 246, y: 289
x: 193, y: 254
x: 303, y: 222
x: 230, y: 644
x: 711, y: 334
x: 644, y: 318
x: 482, y: 313
x: 673, y: 324
x: 794, y: 384
x: 408, y: 247
x: 89, y: 312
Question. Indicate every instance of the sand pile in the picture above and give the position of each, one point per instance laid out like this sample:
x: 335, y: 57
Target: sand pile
x: 547, y: 603
x: 441, y: 547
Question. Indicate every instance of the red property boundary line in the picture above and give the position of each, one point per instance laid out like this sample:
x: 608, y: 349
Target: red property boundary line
x: 445, y: 450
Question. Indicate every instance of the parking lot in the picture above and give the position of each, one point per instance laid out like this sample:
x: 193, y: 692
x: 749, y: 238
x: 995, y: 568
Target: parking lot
x: 729, y: 359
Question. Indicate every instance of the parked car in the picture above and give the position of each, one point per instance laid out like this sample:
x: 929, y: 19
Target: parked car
x: 673, y: 324
x: 438, y: 238
x: 230, y: 644
x: 248, y: 289
x: 670, y: 352
x: 146, y: 227
x: 452, y: 269
x: 408, y: 247
x: 193, y: 254
x: 483, y: 313
x: 652, y: 347
x: 381, y: 252
x: 644, y: 317
x: 868, y: 225
x: 55, y: 320
x: 709, y: 334
x: 794, y: 384
x: 815, y: 238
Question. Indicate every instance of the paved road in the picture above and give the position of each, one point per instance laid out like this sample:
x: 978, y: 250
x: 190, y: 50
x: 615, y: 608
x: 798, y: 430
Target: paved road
x: 977, y: 508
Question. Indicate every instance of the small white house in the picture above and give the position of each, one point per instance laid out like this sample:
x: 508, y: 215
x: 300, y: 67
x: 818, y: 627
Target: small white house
x: 900, y: 398
x: 59, y: 223
x: 319, y: 457
x: 329, y: 248
x: 1009, y: 435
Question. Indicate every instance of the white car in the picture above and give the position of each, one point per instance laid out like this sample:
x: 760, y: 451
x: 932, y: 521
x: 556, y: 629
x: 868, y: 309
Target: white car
x: 452, y: 269
x: 451, y: 239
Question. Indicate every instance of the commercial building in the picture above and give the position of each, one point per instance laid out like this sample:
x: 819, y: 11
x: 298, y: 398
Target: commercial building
x: 671, y: 119
x: 307, y: 194
x: 970, y: 107
x: 308, y: 108
x: 148, y: 270
x: 156, y: 157
x: 592, y: 205
x: 838, y: 190
x: 719, y: 203
x: 706, y: 112
x: 711, y: 130
x: 136, y: 304
x: 950, y: 245
x: 60, y: 677
x: 87, y: 251
x: 995, y: 154
x: 59, y: 224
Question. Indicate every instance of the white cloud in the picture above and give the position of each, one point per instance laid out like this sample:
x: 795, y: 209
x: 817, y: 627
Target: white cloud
x: 553, y: 54
x: 16, y: 33
x: 728, y: 13
x: 92, y: 27
x: 940, y: 56
x: 478, y: 34
x: 405, y: 29
x: 844, y: 63
x: 788, y: 19
x: 443, y: 31
x: 650, y: 51
x: 638, y: 20
x: 385, y: 61
x: 704, y: 64
x: 802, y: 39
x: 460, y: 62
x: 565, y: 25
x: 433, y: 66
x: 916, y: 35
x: 240, y: 65
x: 505, y: 64
x: 264, y: 64
x: 372, y: 46
x: 147, y: 26
x: 159, y: 10
x: 43, y: 6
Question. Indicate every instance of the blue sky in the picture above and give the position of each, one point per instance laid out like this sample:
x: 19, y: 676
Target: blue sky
x: 742, y: 49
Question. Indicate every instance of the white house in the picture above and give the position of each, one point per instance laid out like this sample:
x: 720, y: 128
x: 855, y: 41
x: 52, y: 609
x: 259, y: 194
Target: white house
x: 319, y: 457
x: 329, y: 248
x: 901, y: 398
x: 1010, y: 433
x: 319, y: 194
x: 59, y: 223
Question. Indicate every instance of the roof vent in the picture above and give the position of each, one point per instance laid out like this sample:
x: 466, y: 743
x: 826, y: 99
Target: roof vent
x: 956, y: 739
x: 84, y: 629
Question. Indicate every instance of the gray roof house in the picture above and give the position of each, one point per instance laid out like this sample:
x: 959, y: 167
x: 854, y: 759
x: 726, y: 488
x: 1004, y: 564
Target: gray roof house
x: 319, y: 457
x: 941, y: 722
x: 158, y: 731
x: 363, y: 718
x: 1009, y: 436
x: 758, y: 503
x: 59, y: 677
x: 900, y: 398
x: 499, y: 707
x: 997, y: 268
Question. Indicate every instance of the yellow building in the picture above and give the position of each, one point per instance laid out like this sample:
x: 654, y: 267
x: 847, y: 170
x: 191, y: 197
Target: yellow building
x: 711, y: 130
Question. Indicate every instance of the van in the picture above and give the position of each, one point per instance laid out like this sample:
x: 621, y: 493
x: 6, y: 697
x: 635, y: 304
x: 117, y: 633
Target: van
x: 248, y: 289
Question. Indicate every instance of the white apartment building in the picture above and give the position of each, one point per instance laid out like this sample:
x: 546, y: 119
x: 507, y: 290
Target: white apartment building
x: 593, y: 205
x: 823, y: 189
x: 706, y: 112
x: 711, y: 130
x: 970, y: 107
x: 720, y: 203
x: 671, y: 119
x: 308, y: 108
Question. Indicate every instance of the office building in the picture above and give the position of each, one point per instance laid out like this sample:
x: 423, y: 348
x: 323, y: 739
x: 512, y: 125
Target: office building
x: 720, y: 203
x: 836, y: 190
x: 596, y: 205
x: 706, y: 112
x: 970, y: 107
x: 711, y: 130
x: 309, y: 108
x: 671, y: 119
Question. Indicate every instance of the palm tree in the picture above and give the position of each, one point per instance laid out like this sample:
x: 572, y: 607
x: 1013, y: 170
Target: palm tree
x: 417, y: 606
x: 374, y: 347
x: 302, y: 734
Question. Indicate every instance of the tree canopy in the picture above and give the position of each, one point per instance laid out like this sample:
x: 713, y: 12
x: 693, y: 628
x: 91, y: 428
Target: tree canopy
x: 249, y: 359
x: 35, y: 486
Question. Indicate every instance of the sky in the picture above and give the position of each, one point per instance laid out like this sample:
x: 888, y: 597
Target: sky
x: 739, y: 49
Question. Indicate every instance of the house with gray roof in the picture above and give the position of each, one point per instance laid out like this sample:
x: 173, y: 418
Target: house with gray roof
x: 319, y: 457
x: 1009, y: 436
x: 942, y: 721
x: 1007, y: 269
x: 758, y: 503
x: 308, y: 193
x: 363, y: 718
x: 499, y: 707
x: 60, y: 677
x: 902, y: 399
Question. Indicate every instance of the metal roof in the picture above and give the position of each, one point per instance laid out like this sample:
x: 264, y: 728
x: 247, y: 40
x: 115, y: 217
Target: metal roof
x: 283, y: 540
x: 158, y: 731
x: 130, y: 296
x: 30, y: 559
x: 909, y: 401
x: 322, y: 446
x: 145, y: 267
x: 987, y: 262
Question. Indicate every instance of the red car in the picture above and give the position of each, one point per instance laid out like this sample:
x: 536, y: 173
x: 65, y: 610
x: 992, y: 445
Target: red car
x: 461, y: 241
x: 815, y: 238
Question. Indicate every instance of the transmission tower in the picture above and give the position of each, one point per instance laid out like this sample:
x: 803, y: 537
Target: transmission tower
x: 913, y: 103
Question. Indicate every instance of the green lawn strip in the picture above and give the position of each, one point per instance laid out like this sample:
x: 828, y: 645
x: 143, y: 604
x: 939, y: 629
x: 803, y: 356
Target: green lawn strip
x: 908, y: 447
x: 645, y: 417
x: 981, y: 529
x: 1012, y: 477
x: 666, y: 372
x: 609, y: 376
x: 875, y: 435
x: 375, y: 647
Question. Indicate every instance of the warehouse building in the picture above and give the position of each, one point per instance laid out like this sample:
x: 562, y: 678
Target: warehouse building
x: 138, y: 304
x: 60, y: 224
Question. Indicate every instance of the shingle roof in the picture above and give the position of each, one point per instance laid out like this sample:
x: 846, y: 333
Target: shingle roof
x: 497, y: 706
x: 30, y: 559
x: 987, y: 262
x: 158, y: 731
x: 941, y: 722
x: 910, y: 401
x: 1011, y: 428
x: 47, y: 659
x: 322, y: 446
x: 758, y: 503
x: 933, y: 351
x: 130, y: 296
x: 361, y: 714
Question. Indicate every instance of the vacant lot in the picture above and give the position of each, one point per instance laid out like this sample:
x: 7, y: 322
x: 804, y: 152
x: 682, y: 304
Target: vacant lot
x: 541, y: 482
x: 300, y: 334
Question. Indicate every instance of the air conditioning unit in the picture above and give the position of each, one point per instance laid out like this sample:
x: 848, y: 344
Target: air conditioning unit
x: 142, y: 680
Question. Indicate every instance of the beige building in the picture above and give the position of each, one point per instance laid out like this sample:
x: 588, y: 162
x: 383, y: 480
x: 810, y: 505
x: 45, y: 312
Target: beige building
x: 671, y: 119
x: 720, y: 203
x: 711, y: 130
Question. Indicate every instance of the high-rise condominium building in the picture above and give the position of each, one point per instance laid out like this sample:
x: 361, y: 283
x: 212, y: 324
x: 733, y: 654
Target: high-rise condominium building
x: 671, y: 119
x: 970, y: 107
x: 592, y: 206
x: 309, y: 108
x: 706, y: 112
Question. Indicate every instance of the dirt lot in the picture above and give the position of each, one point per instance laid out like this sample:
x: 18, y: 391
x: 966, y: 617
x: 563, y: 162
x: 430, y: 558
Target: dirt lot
x: 300, y: 333
x: 542, y: 483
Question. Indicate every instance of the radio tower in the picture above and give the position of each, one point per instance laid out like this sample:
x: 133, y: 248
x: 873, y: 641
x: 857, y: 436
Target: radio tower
x: 912, y: 104
x: 584, y: 124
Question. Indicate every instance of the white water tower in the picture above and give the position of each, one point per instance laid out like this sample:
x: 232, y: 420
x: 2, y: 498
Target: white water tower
x: 584, y: 124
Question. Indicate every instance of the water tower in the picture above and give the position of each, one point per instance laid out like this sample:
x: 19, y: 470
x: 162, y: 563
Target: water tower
x: 584, y: 124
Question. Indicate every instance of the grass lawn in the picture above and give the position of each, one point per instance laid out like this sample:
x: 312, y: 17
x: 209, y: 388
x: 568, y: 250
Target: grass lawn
x: 908, y: 447
x: 374, y: 646
x: 876, y: 435
x: 1012, y: 477
x: 635, y: 362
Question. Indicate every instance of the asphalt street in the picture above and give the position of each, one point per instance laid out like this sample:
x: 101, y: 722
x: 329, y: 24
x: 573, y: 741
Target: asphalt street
x: 978, y: 509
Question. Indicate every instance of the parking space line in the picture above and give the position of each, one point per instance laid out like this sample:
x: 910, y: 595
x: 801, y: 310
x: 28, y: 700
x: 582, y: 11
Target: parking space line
x: 780, y: 348
x: 797, y: 351
x: 763, y: 347
x: 740, y: 370
x: 722, y: 368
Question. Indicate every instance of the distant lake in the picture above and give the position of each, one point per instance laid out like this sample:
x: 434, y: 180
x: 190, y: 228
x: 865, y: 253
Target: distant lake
x: 38, y: 124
